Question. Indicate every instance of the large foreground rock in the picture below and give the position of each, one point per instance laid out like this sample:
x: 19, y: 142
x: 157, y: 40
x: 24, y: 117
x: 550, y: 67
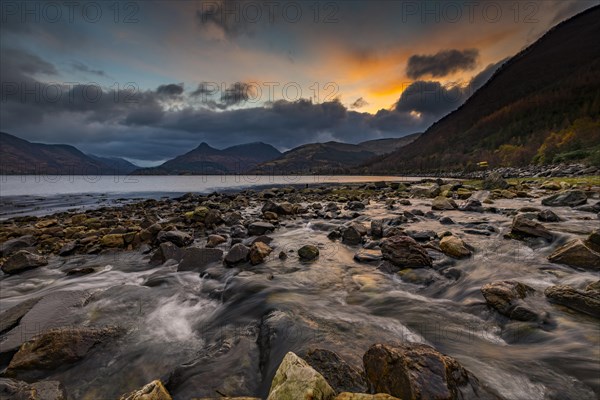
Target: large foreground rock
x: 570, y: 198
x: 442, y: 203
x: 417, y: 371
x: 506, y: 298
x: 21, y: 261
x: 155, y: 390
x: 296, y: 380
x: 494, y: 181
x: 308, y: 252
x: 56, y: 348
x: 340, y: 375
x: 13, y: 245
x: 237, y: 254
x: 199, y: 258
x: 43, y: 390
x: 178, y: 238
x: 404, y: 251
x: 454, y: 247
x: 584, y: 301
x: 523, y: 227
x: 578, y: 253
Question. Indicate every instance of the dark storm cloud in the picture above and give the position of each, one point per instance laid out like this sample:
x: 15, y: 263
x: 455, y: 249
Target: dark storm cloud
x: 442, y: 63
x: 78, y: 66
x: 226, y: 16
x: 18, y: 65
x: 436, y: 100
x: 237, y: 93
x: 172, y: 89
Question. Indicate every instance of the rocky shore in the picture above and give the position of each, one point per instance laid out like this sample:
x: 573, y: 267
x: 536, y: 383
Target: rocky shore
x: 433, y: 235
x: 530, y: 171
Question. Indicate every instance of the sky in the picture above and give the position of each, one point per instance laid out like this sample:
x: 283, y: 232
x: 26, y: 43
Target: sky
x: 149, y: 80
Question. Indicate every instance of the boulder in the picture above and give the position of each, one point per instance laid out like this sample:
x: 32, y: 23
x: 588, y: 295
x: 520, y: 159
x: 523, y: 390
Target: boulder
x: 441, y: 203
x: 548, y: 216
x: 340, y: 375
x: 43, y: 390
x: 523, y: 227
x: 57, y: 347
x: 594, y: 238
x: 113, y: 240
x: 68, y: 248
x: 494, y: 181
x: 505, y: 297
x: 472, y: 205
x: 237, y: 254
x: 21, y: 261
x: 13, y: 245
x: 215, y: 240
x: 296, y: 380
x: 351, y: 236
x: 178, y: 238
x: 11, y: 317
x: 155, y: 390
x: 377, y: 228
x: 199, y: 258
x: 166, y: 251
x: 417, y: 371
x: 368, y: 255
x: 279, y: 209
x: 404, y: 251
x: 569, y: 198
x: 260, y: 228
x: 355, y: 205
x: 213, y: 217
x: 577, y: 253
x: 425, y: 190
x: 587, y: 302
x: 308, y: 252
x: 258, y: 252
x: 454, y: 247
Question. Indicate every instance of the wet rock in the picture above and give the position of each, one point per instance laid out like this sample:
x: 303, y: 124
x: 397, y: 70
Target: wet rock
x: 155, y: 390
x: 11, y: 317
x: 368, y: 255
x: 577, y: 253
x: 262, y: 238
x: 594, y: 238
x: 215, y: 240
x: 506, y: 296
x: 570, y: 198
x: 417, y: 371
x: 523, y: 227
x: 178, y: 238
x: 377, y: 228
x: 258, y: 252
x: 199, y: 214
x: 213, y: 217
x: 351, y: 236
x: 238, y: 231
x: 425, y: 190
x: 355, y: 206
x: 279, y: 209
x: 260, y: 228
x: 551, y: 185
x: 67, y: 249
x: 454, y: 247
x: 80, y: 271
x: 237, y: 254
x: 21, y: 261
x: 594, y: 286
x: 340, y: 375
x: 421, y: 236
x: 446, y: 221
x: 587, y: 302
x: 112, y: 240
x: 472, y: 205
x: 43, y: 390
x: 56, y: 348
x: 441, y: 203
x: 282, y: 255
x: 308, y: 252
x: 591, y: 208
x: 404, y: 251
x: 419, y: 276
x: 166, y: 251
x: 232, y: 218
x: 150, y: 233
x: 548, y: 216
x: 198, y: 259
x: 13, y: 245
x: 295, y: 379
x: 270, y: 215
x: 494, y: 181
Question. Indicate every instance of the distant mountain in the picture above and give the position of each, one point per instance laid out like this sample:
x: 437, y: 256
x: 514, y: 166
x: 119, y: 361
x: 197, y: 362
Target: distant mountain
x: 330, y: 157
x: 205, y: 159
x: 541, y: 106
x: 383, y: 146
x: 121, y: 165
x: 21, y: 157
